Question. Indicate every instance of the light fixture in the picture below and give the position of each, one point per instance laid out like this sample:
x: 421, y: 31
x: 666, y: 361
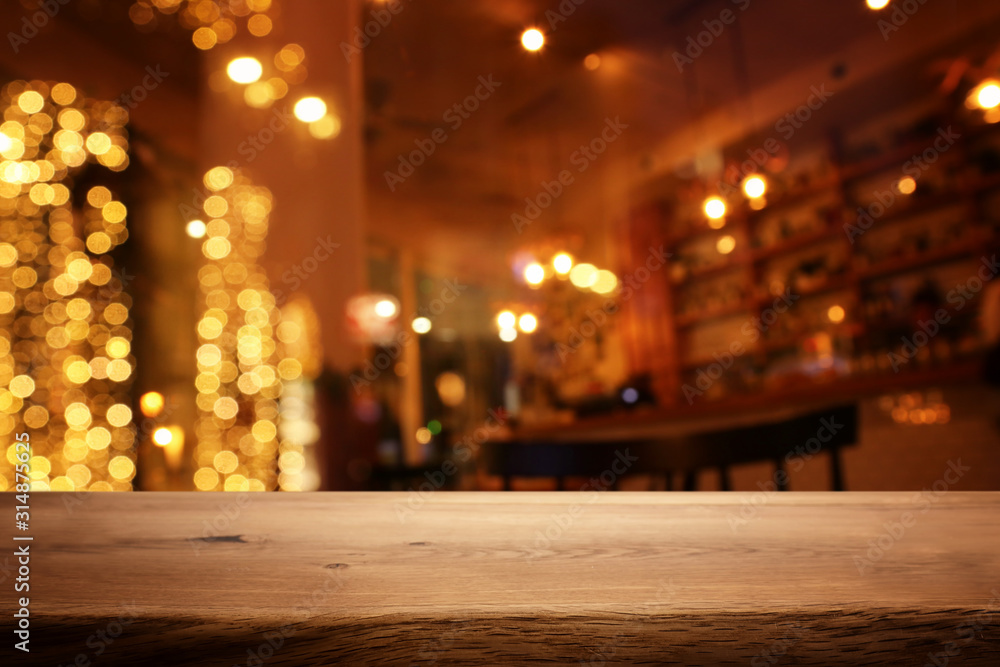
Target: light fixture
x: 421, y: 325
x: 715, y: 208
x: 534, y: 273
x: 244, y: 70
x: 527, y: 323
x: 506, y: 320
x: 196, y: 229
x: 877, y: 4
x: 562, y: 263
x: 725, y: 244
x: 508, y: 335
x: 151, y: 403
x: 385, y: 308
x: 310, y: 109
x: 532, y: 39
x: 754, y: 187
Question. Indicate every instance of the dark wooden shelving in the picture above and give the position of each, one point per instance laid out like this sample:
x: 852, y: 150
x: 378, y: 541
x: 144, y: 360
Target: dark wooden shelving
x: 796, y: 242
x: 910, y: 262
x: 792, y: 197
x: 684, y: 321
x: 839, y: 179
x: 733, y: 262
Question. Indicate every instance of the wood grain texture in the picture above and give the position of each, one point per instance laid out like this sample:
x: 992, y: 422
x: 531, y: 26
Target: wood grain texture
x: 629, y: 578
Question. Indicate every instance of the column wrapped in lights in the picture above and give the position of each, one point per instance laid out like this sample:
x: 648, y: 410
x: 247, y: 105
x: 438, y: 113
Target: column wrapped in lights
x: 65, y: 337
x: 298, y: 431
x: 239, y: 358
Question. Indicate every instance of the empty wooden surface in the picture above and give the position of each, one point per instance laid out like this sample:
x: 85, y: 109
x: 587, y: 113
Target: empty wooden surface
x: 465, y: 578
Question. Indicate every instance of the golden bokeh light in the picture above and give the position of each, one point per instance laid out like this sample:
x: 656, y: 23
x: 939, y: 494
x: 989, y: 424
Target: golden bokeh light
x: 754, y: 187
x: 725, y: 244
x: 309, y: 109
x: 244, y: 70
x: 714, y: 207
x: 562, y: 263
x: 583, y: 276
x: 532, y: 39
x: 421, y: 325
x: 151, y: 403
x: 534, y: 273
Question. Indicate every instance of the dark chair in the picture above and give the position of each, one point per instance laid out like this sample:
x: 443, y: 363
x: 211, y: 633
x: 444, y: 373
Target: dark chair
x: 828, y: 430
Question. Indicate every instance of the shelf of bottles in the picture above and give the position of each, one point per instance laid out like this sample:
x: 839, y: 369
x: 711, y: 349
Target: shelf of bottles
x: 865, y: 258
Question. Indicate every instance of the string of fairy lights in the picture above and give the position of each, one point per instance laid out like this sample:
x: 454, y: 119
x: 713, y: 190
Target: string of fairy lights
x: 65, y: 337
x: 248, y: 353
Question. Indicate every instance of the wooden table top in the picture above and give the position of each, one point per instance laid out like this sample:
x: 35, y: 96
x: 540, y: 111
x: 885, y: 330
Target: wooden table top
x: 513, y: 578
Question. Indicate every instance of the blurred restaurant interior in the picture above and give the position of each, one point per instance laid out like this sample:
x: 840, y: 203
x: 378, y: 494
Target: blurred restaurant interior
x: 254, y: 245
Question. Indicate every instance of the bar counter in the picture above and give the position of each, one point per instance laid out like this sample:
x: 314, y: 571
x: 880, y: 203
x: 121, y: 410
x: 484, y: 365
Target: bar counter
x: 514, y: 578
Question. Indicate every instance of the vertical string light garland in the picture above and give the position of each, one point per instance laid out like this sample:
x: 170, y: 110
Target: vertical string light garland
x: 238, y: 381
x: 298, y: 431
x: 65, y: 337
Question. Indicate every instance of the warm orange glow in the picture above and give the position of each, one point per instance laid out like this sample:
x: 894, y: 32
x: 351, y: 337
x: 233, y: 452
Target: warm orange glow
x: 562, y: 263
x: 532, y: 39
x: 244, y: 70
x: 988, y: 95
x: 310, y: 109
x: 151, y: 403
x: 534, y: 273
x: 754, y: 187
x: 714, y: 207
